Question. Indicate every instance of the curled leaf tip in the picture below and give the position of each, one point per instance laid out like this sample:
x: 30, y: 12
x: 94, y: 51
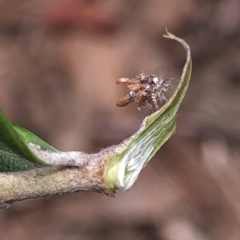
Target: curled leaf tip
x: 169, y: 35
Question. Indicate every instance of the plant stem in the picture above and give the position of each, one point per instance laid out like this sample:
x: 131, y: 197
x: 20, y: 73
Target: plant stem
x: 48, y: 181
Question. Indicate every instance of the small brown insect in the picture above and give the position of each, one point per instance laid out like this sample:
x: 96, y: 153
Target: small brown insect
x: 145, y: 90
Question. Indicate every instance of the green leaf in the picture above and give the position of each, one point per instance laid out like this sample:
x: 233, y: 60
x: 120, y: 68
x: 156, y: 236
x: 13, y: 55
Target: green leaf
x: 29, y: 137
x: 22, y: 150
x: 15, y: 154
x: 134, y: 153
x: 12, y: 162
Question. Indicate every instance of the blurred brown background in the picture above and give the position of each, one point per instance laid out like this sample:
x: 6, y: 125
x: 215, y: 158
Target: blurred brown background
x: 59, y: 61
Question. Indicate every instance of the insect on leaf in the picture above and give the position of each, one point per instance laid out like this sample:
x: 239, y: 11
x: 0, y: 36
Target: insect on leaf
x: 134, y: 153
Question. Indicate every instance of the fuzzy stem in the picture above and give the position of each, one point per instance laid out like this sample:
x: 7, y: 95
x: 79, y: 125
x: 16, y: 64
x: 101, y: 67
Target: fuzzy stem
x: 47, y: 181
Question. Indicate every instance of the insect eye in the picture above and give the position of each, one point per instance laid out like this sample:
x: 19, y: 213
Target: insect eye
x: 132, y: 94
x: 155, y: 79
